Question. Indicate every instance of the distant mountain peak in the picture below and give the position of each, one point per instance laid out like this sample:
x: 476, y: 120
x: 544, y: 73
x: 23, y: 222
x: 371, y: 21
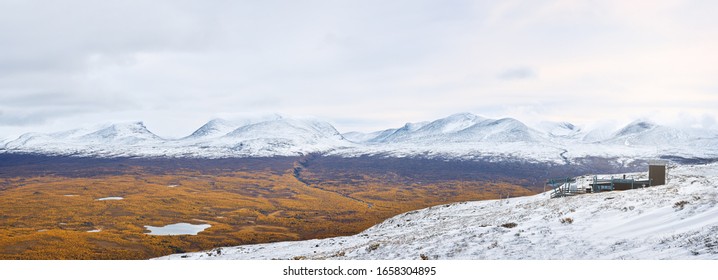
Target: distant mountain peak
x: 453, y: 123
x: 135, y: 126
x: 567, y: 125
x: 214, y: 127
x: 286, y: 128
x: 636, y: 127
x: 464, y: 115
x: 131, y: 131
x: 563, y: 130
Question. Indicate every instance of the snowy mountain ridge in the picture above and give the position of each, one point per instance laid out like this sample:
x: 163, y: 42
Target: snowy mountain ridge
x: 218, y: 138
x: 463, y: 128
x: 678, y: 220
x: 461, y: 136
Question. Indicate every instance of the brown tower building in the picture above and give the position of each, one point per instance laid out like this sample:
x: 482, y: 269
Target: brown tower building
x: 657, y: 173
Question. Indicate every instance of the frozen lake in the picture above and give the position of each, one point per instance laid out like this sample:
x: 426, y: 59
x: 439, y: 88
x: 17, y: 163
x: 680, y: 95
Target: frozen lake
x: 177, y: 229
x: 111, y: 198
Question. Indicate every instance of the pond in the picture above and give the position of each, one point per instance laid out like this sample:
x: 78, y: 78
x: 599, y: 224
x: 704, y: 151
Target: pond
x: 111, y: 198
x: 177, y: 229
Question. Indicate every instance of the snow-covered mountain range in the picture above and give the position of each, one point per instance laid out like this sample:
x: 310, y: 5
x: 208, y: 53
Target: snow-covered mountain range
x: 678, y: 220
x: 462, y: 136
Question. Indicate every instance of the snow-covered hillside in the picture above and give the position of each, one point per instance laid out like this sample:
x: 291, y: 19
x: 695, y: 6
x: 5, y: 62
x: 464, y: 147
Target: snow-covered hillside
x: 648, y: 133
x: 675, y: 221
x: 104, y: 140
x: 460, y: 136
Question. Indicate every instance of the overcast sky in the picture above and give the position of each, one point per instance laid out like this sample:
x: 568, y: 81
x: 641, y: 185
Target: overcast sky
x: 361, y: 65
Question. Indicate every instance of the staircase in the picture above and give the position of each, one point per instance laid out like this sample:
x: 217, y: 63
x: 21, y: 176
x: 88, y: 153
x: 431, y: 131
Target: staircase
x: 564, y: 187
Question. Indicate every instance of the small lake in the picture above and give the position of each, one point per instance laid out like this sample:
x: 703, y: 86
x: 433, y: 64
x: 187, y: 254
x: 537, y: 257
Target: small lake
x: 177, y: 229
x: 111, y: 198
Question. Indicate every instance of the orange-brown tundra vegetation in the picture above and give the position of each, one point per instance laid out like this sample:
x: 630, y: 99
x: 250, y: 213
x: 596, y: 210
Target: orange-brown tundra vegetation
x: 59, y: 217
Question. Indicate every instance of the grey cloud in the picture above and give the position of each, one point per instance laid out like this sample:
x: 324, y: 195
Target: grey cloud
x: 23, y: 119
x: 42, y: 36
x: 39, y: 99
x: 65, y: 101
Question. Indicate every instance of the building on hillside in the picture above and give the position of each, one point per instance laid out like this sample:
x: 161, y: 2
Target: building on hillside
x: 657, y: 172
x: 569, y: 186
x: 617, y: 184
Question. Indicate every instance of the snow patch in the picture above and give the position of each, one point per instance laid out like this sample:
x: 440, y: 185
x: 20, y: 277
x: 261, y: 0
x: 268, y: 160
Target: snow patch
x: 177, y: 229
x: 110, y: 198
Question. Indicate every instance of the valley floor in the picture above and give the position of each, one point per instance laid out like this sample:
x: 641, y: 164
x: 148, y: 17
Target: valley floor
x: 107, y: 208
